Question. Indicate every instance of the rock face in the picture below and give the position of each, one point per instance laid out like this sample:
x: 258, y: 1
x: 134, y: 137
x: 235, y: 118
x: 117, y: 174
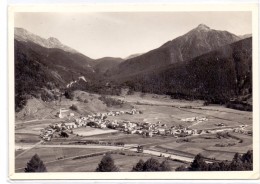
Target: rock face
x: 196, y: 42
x: 21, y: 34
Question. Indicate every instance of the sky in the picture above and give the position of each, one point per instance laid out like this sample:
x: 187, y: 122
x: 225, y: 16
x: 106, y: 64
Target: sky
x: 120, y: 34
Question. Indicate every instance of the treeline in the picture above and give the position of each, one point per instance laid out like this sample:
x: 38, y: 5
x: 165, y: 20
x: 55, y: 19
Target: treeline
x: 152, y: 164
x: 239, y: 163
x: 98, y: 86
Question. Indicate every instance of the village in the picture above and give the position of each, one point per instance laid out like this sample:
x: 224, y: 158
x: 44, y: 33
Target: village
x: 147, y: 129
x: 99, y: 120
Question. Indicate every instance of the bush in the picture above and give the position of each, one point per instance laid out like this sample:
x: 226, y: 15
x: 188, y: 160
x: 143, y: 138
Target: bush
x: 110, y: 102
x: 74, y: 107
x: 69, y: 94
x: 64, y: 134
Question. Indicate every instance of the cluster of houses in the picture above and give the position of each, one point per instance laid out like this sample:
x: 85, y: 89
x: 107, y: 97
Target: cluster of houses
x: 47, y: 133
x: 241, y: 130
x: 99, y: 120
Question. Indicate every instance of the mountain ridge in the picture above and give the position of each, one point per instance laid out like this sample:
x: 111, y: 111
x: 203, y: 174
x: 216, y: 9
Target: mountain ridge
x: 216, y: 76
x: 24, y: 35
x: 196, y: 42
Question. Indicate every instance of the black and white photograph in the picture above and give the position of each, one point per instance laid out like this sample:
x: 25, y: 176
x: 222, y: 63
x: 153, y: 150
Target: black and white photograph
x: 133, y: 91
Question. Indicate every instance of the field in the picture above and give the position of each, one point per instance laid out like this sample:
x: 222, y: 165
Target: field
x: 53, y: 155
x: 206, y: 145
x: 154, y: 108
x: 124, y: 160
x: 88, y: 131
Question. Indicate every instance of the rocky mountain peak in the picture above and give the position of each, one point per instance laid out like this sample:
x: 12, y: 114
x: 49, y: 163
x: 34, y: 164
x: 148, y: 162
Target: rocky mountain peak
x: 21, y: 34
x: 203, y: 27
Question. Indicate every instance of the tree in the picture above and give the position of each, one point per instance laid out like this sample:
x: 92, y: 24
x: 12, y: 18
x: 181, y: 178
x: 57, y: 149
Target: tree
x: 139, y: 166
x: 198, y: 164
x: 64, y: 134
x: 248, y: 157
x: 35, y: 165
x: 107, y: 165
x: 69, y: 94
x: 237, y: 164
x: 165, y: 166
x: 182, y: 168
x: 151, y: 165
x: 224, y: 166
x: 214, y: 166
x: 247, y: 160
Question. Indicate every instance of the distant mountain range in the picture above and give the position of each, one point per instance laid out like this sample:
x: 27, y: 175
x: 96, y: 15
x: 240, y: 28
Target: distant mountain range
x: 196, y: 42
x: 203, y: 63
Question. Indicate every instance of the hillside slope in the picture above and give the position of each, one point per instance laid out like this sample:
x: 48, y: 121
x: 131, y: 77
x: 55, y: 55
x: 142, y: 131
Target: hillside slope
x: 102, y: 65
x: 216, y: 76
x: 37, y: 67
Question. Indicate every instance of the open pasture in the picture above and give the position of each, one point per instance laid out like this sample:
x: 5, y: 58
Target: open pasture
x: 53, y: 154
x: 124, y: 162
x: 88, y: 131
x: 208, y: 146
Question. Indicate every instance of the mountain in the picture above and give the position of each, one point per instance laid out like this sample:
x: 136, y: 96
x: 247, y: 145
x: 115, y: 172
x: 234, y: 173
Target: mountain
x: 102, y: 65
x: 133, y: 56
x: 41, y: 69
x: 216, y: 76
x: 21, y: 34
x: 245, y: 36
x: 196, y: 42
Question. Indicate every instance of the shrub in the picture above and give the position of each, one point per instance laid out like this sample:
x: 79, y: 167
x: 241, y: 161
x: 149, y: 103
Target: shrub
x: 64, y: 134
x: 69, y: 94
x: 110, y: 102
x: 74, y: 107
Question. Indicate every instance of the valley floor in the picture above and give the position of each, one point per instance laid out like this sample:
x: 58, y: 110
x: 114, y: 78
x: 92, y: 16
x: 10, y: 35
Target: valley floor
x: 62, y: 154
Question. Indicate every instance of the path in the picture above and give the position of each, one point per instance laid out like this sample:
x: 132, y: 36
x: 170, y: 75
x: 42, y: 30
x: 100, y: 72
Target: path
x: 38, y: 143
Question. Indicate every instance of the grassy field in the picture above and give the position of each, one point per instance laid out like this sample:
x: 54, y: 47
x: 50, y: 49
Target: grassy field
x: 155, y: 108
x: 52, y: 154
x: 88, y: 131
x: 206, y: 145
x: 26, y: 138
x: 124, y: 162
x: 131, y: 138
